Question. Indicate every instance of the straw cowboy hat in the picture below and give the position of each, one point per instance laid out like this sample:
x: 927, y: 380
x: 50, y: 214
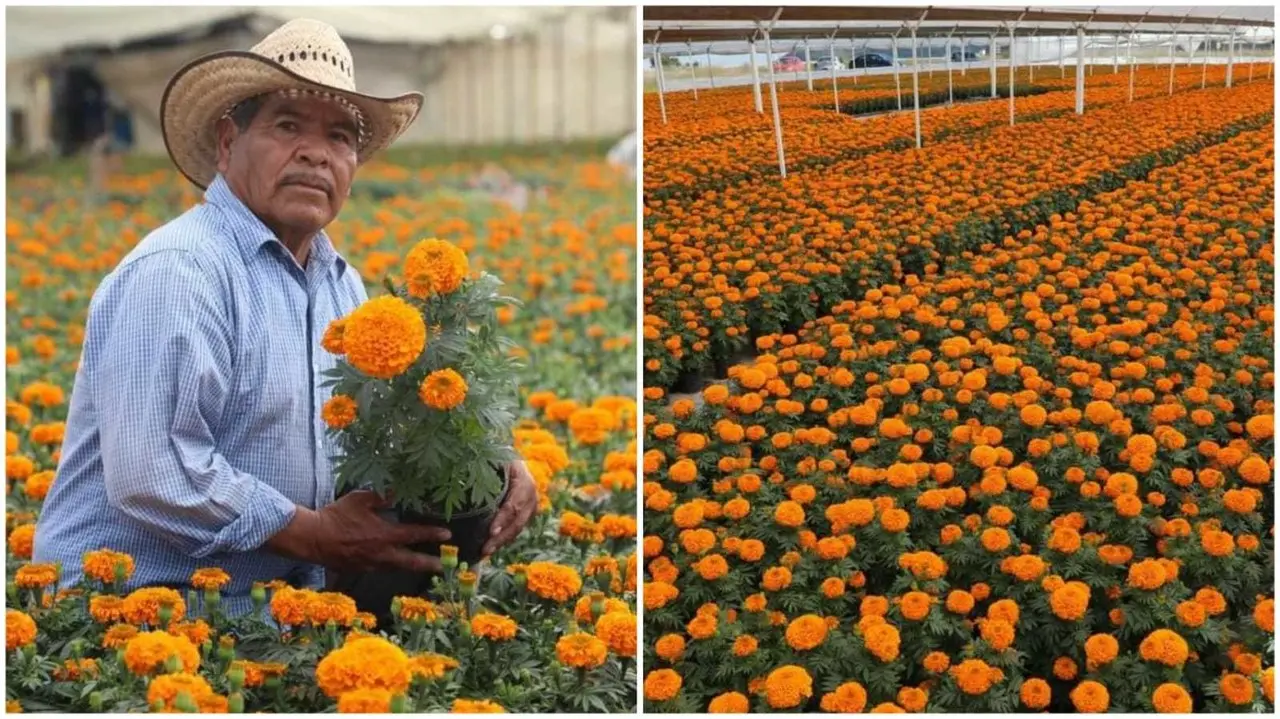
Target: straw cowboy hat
x: 301, y: 57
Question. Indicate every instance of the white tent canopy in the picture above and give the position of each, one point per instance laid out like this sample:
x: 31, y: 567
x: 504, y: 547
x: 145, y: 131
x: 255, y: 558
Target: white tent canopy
x: 489, y: 74
x: 34, y: 31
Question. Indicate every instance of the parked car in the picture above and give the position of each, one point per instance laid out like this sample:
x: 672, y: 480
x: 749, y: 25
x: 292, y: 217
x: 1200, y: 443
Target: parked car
x: 825, y: 64
x: 966, y: 56
x: 871, y: 59
x: 788, y: 63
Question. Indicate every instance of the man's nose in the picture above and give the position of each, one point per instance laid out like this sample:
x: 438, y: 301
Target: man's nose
x: 312, y: 150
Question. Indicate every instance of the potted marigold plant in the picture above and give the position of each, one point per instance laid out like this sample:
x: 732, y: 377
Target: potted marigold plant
x: 424, y: 401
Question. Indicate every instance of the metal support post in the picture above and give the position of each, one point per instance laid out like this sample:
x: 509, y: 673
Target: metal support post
x: 773, y: 98
x: 693, y: 68
x: 755, y: 78
x: 808, y: 64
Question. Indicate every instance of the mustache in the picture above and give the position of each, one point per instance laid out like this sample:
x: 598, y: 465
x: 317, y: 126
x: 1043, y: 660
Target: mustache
x: 307, y: 179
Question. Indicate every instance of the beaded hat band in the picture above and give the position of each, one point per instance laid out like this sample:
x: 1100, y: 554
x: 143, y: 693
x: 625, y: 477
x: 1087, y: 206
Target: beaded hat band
x: 338, y: 100
x: 301, y: 58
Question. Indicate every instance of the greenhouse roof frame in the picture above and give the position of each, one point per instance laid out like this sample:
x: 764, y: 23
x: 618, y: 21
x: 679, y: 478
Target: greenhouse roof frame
x: 785, y: 13
x: 944, y: 22
x: 682, y: 35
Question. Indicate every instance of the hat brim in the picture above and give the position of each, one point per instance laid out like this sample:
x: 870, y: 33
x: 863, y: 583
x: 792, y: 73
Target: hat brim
x: 203, y: 90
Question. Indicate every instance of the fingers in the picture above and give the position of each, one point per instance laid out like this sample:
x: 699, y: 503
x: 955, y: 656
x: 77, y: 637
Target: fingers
x: 410, y: 561
x: 522, y: 510
x: 505, y: 515
x: 367, y: 498
x: 417, y: 534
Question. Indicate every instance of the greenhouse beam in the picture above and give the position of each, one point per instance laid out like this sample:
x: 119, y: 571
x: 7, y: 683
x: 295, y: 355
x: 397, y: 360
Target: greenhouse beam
x: 1013, y: 68
x: 755, y: 78
x: 915, y: 76
x: 951, y: 93
x: 808, y: 64
x: 1231, y: 55
x: 1173, y: 48
x: 1132, y: 63
x: 993, y: 65
x: 693, y: 68
x: 1080, y: 70
x: 1204, y: 66
x: 657, y: 64
x: 831, y: 53
x: 711, y: 72
x: 773, y: 95
x: 897, y: 83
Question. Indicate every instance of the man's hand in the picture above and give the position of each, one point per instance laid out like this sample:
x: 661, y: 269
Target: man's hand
x: 515, y: 512
x: 349, y: 535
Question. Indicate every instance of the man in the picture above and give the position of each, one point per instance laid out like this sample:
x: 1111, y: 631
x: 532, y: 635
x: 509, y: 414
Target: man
x: 194, y: 437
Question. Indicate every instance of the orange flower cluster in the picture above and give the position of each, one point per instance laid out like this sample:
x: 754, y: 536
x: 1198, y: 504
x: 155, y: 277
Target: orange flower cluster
x: 1008, y: 426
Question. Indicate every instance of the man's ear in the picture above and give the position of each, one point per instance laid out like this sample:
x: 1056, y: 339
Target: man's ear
x: 227, y: 133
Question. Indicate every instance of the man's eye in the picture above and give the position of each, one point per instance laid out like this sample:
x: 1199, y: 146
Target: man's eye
x: 341, y: 136
x: 288, y: 125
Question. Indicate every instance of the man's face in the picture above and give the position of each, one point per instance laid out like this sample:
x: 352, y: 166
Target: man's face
x: 293, y: 164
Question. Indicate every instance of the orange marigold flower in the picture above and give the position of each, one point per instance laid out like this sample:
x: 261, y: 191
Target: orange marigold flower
x: 147, y: 653
x: 581, y: 651
x: 1035, y: 694
x: 1171, y: 698
x: 1166, y: 647
x: 729, y: 703
x: 788, y: 687
x: 384, y: 336
x: 210, y: 578
x: 19, y: 629
x: 339, y: 411
x: 848, y: 698
x: 662, y: 685
x: 369, y: 663
x: 166, y: 688
x: 494, y: 627
x: 435, y: 267
x: 883, y: 641
x: 1070, y: 601
x: 936, y: 662
x: 975, y: 677
x: 142, y: 606
x: 1100, y: 650
x: 445, y: 389
x: 1090, y: 697
x: 1236, y: 688
x: 806, y: 632
x: 553, y: 581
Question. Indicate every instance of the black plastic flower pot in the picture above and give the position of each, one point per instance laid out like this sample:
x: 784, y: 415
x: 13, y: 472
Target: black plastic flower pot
x: 373, y: 590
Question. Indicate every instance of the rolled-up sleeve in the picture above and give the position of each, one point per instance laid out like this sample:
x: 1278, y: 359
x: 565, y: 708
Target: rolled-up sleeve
x: 162, y: 385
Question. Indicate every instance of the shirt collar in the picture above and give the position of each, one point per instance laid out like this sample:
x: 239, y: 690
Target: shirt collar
x: 251, y: 234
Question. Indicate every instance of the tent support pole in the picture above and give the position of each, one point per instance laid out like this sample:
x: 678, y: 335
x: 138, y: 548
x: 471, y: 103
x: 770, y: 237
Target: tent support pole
x: 773, y: 98
x: 1080, y: 70
x: 657, y: 64
x: 1231, y: 56
x: 993, y: 66
x: 835, y: 83
x: 755, y: 78
x: 808, y: 65
x: 1132, y: 65
x: 915, y: 83
x: 693, y: 68
x: 897, y: 84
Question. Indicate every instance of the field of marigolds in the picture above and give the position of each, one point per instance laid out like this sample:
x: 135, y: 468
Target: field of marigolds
x: 547, y: 625
x: 986, y: 426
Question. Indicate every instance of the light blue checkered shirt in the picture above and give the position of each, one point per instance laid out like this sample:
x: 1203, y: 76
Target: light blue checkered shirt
x: 194, y: 426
